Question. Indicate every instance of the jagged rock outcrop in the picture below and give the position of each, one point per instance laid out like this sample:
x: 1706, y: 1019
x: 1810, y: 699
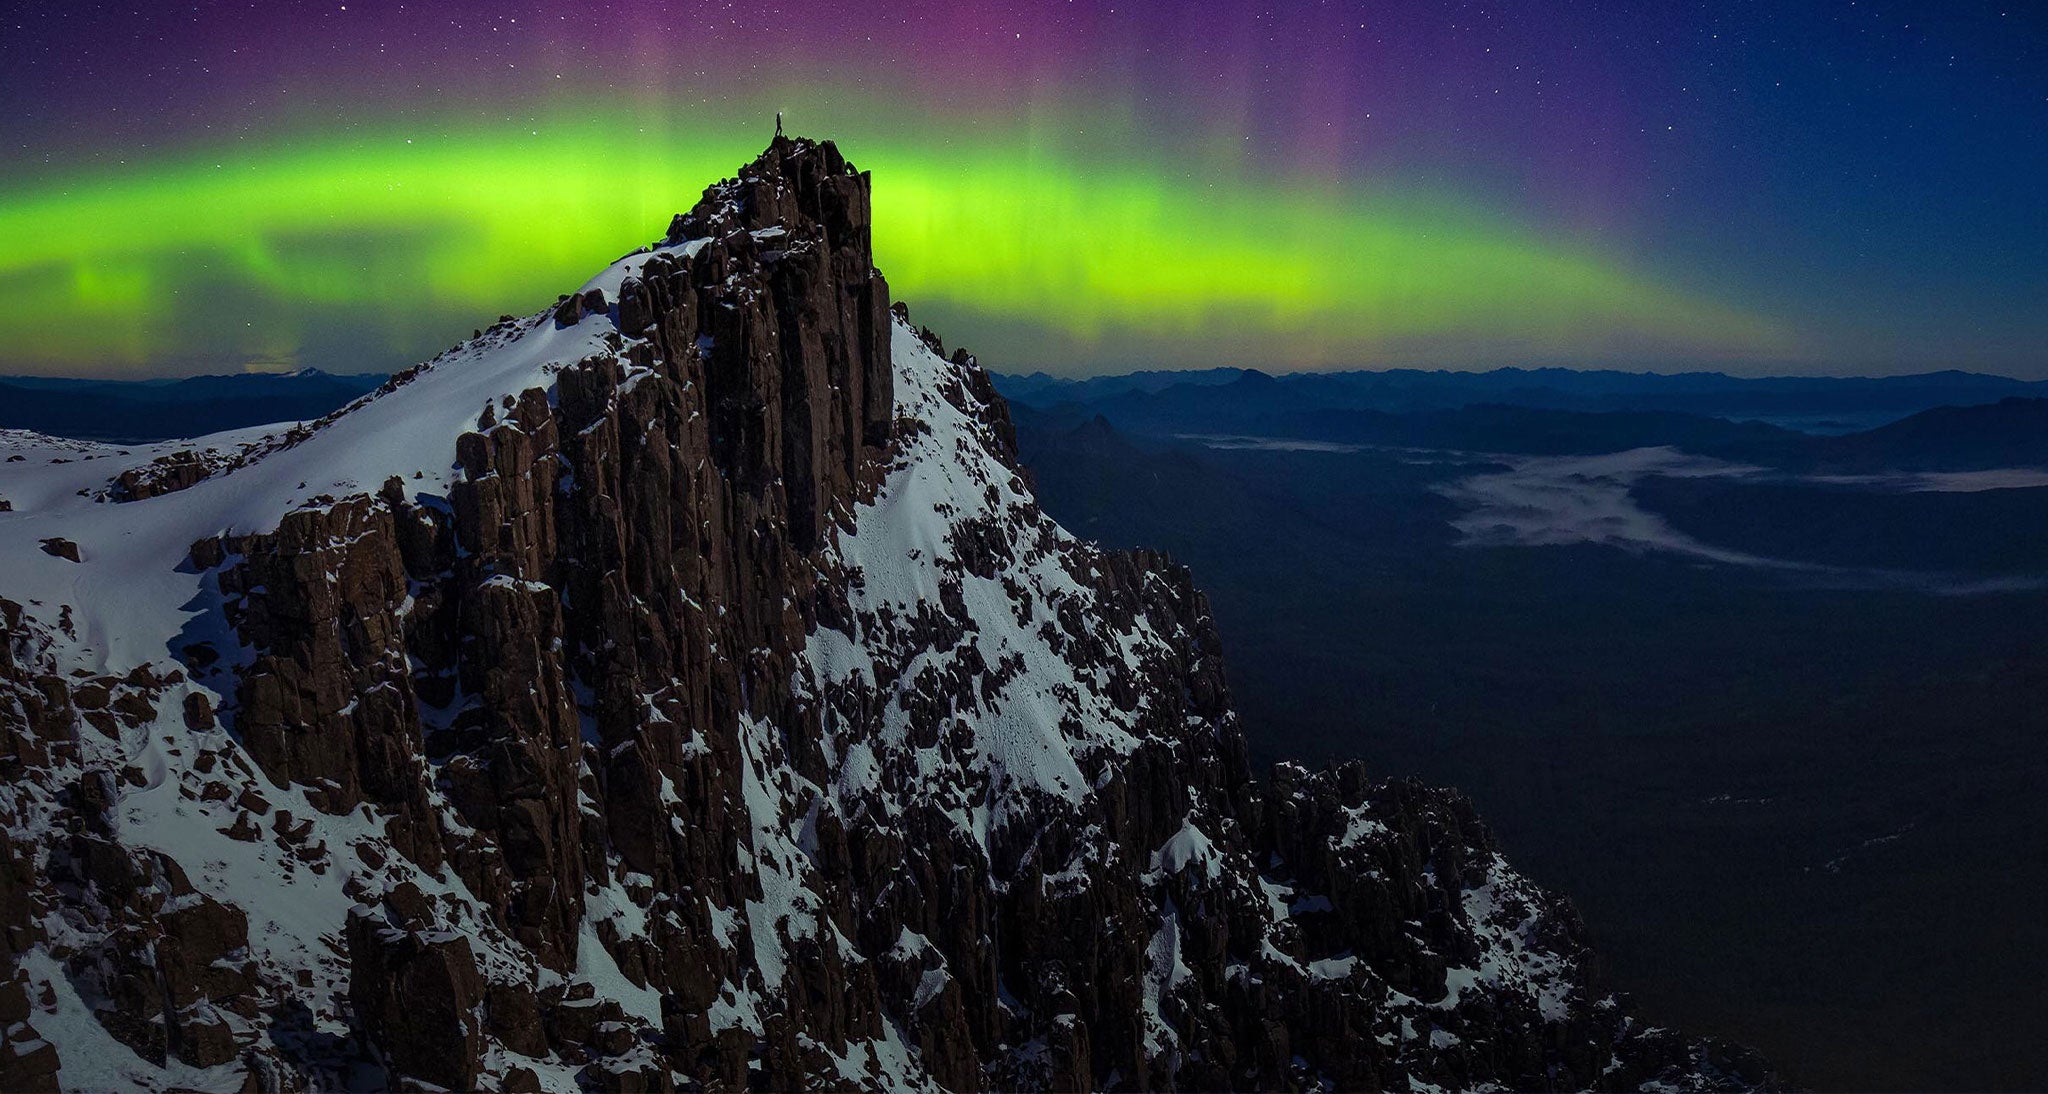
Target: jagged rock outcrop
x: 163, y: 475
x: 715, y: 707
x: 416, y: 994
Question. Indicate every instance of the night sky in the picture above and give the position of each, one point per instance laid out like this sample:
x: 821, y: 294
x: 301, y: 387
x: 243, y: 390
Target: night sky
x: 1076, y: 187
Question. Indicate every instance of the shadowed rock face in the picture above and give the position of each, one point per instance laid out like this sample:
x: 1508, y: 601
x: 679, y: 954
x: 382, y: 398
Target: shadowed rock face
x: 736, y: 718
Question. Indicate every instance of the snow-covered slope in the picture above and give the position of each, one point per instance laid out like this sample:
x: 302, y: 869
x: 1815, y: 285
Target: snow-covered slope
x: 681, y: 686
x: 62, y: 487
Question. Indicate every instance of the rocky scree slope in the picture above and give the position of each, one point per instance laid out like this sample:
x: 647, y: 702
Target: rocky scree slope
x: 680, y: 687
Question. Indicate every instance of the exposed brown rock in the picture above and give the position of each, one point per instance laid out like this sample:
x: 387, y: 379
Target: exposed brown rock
x: 416, y: 994
x: 163, y: 475
x: 513, y: 1014
x: 27, y: 1062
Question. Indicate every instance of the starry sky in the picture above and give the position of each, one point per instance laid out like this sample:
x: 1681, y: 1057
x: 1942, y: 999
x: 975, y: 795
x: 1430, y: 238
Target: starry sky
x: 1073, y: 186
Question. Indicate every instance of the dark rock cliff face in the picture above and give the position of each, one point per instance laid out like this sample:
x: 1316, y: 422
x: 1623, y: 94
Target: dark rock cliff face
x: 736, y: 719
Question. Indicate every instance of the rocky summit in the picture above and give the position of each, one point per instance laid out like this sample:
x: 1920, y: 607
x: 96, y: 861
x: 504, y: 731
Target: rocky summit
x: 680, y: 688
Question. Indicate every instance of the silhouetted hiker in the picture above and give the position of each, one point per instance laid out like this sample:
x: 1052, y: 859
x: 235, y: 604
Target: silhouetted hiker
x: 778, y: 123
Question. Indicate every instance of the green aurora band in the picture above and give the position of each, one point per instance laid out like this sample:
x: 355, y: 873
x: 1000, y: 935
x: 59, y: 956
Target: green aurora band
x: 382, y: 249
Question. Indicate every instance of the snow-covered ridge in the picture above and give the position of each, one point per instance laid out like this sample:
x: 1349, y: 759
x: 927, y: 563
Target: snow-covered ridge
x: 130, y: 552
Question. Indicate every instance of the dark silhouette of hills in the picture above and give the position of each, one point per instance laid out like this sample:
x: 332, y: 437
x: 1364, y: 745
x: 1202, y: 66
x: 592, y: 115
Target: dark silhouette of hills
x: 1417, y: 410
x: 153, y: 410
x: 2012, y: 432
x: 1836, y: 404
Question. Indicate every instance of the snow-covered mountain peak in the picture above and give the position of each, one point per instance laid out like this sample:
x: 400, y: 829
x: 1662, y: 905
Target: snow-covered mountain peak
x: 681, y: 686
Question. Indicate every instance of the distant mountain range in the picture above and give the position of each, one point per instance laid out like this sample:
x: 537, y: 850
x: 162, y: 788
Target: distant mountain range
x: 1987, y: 427
x: 133, y: 411
x: 1809, y: 403
x: 1350, y: 407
